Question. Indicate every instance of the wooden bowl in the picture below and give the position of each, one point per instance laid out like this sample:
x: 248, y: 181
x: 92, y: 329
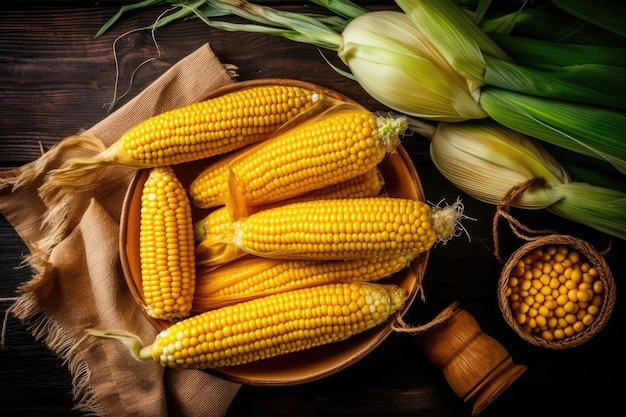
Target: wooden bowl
x: 589, y: 254
x: 401, y: 180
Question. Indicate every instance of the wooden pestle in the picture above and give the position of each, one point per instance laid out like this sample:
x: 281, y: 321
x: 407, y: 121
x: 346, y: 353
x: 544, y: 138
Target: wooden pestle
x: 477, y: 367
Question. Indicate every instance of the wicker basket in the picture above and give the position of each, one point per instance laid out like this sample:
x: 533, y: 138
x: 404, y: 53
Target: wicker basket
x: 594, y: 258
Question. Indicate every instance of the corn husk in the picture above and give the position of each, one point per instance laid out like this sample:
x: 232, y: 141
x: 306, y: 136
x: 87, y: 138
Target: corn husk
x: 487, y: 160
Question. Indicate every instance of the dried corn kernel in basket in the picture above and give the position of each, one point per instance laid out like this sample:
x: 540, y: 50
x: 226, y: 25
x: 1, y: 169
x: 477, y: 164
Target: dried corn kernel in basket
x: 554, y: 292
x: 269, y: 326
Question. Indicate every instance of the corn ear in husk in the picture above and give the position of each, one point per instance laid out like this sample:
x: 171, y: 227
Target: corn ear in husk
x: 486, y: 160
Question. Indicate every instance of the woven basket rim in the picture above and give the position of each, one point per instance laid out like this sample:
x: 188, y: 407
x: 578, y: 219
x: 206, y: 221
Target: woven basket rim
x: 604, y: 273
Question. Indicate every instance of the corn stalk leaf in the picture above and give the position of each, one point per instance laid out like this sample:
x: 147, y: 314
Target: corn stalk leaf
x: 344, y: 8
x: 555, y: 84
x: 607, y: 14
x: 551, y: 55
x: 123, y: 10
x: 590, y: 130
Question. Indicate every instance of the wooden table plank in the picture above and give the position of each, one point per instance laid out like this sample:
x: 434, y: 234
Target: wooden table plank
x: 55, y: 80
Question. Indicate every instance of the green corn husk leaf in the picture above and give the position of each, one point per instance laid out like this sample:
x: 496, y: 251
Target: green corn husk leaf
x: 583, y: 168
x: 607, y: 14
x: 307, y: 28
x: 324, y: 39
x: 125, y: 9
x: 557, y: 84
x: 598, y: 207
x: 320, y: 30
x: 493, y: 16
x: 344, y: 8
x: 551, y: 27
x: 481, y: 10
x: 459, y: 39
x: 590, y: 130
x: 589, y: 175
x: 556, y: 55
x: 561, y: 70
x: 486, y: 160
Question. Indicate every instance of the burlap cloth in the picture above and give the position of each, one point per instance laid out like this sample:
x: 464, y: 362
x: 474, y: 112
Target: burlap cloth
x: 77, y: 278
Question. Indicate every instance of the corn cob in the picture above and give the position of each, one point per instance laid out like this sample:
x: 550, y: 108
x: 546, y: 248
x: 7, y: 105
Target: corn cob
x: 166, y: 246
x: 253, y: 277
x: 210, y: 188
x: 269, y: 326
x: 369, y: 184
x: 341, y: 143
x: 188, y: 133
x: 336, y: 229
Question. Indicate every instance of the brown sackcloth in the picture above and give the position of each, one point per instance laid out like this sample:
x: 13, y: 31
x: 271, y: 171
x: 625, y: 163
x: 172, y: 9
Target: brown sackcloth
x: 78, y: 284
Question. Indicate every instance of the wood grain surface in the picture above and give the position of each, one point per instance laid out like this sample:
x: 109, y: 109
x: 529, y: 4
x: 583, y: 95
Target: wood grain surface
x: 55, y: 80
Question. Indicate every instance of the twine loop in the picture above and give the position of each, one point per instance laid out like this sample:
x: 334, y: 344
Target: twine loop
x: 518, y: 228
x: 401, y: 326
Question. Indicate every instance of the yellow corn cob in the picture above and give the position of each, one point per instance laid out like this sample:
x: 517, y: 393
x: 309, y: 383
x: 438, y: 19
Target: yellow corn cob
x: 335, y: 229
x: 269, y: 326
x: 369, y: 184
x: 210, y: 188
x: 253, y: 277
x: 166, y: 246
x: 216, y: 222
x: 341, y: 143
x: 188, y: 133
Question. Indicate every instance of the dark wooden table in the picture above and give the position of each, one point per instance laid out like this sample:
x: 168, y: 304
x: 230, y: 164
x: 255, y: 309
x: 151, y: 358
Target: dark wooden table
x: 55, y: 79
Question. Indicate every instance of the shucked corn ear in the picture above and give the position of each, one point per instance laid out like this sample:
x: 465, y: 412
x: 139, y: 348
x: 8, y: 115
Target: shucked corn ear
x: 369, y: 184
x: 188, y: 133
x: 269, y: 326
x: 343, y: 142
x: 252, y: 277
x: 336, y: 229
x: 166, y: 246
x: 210, y: 187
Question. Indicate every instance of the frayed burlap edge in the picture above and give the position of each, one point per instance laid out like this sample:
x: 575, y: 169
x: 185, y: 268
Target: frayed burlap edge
x: 45, y: 329
x: 25, y: 307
